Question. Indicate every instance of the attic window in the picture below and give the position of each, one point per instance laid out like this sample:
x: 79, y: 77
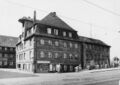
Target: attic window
x: 56, y: 31
x: 49, y: 30
x: 64, y: 33
x: 70, y: 34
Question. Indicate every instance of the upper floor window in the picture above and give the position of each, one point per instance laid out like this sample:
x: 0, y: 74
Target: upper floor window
x: 64, y: 33
x: 49, y: 54
x: 70, y: 45
x: 0, y: 48
x: 70, y: 56
x: 49, y: 30
x: 5, y: 48
x: 70, y: 34
x: 65, y: 55
x: 30, y: 42
x: 65, y: 45
x: 56, y: 31
x: 30, y: 52
x: 76, y: 56
x: 56, y: 55
x: 42, y: 55
x: 76, y: 45
x: 42, y: 41
x: 56, y: 43
x: 0, y: 54
x: 50, y: 42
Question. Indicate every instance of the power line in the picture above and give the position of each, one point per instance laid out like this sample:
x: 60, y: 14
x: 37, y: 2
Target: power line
x: 102, y: 8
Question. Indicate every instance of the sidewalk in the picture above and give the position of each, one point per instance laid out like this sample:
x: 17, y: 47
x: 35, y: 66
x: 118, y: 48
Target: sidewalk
x: 88, y: 71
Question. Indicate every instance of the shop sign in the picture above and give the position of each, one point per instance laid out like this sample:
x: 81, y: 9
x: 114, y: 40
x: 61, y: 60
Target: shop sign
x: 43, y: 61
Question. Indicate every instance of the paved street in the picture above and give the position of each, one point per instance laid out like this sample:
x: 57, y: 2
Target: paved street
x: 96, y: 77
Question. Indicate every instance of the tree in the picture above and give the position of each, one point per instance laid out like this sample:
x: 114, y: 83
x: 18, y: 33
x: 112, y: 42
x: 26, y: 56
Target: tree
x: 116, y: 61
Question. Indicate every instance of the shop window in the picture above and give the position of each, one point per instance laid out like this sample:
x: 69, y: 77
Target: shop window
x: 49, y: 30
x: 42, y: 55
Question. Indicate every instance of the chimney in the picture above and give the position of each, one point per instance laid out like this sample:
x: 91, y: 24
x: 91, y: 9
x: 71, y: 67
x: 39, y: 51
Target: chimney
x: 34, y: 17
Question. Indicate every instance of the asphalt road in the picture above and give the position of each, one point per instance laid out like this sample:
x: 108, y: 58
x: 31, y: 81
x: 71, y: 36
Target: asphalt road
x: 112, y: 82
x: 78, y: 78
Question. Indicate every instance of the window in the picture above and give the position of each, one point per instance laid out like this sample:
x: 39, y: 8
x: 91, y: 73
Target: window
x: 56, y: 55
x: 42, y: 41
x: 76, y: 45
x: 70, y: 34
x: 56, y: 43
x: 49, y: 55
x: 0, y: 48
x: 5, y: 55
x: 42, y: 54
x: 64, y: 33
x: 24, y: 55
x: 56, y: 31
x: 76, y: 56
x: 70, y: 45
x: 70, y: 56
x: 65, y: 45
x: 65, y: 55
x: 49, y: 30
x: 50, y: 42
x: 30, y: 42
x: 30, y: 54
x: 5, y: 48
x: 11, y: 49
x: 0, y: 54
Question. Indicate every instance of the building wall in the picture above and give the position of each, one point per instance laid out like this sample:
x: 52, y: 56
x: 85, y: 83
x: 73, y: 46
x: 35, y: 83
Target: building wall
x: 57, y: 51
x: 97, y: 53
x: 7, y: 57
x: 25, y: 55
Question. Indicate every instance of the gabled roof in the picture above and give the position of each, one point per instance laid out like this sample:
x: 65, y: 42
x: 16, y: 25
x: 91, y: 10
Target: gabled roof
x: 53, y: 20
x: 91, y: 40
x: 8, y: 41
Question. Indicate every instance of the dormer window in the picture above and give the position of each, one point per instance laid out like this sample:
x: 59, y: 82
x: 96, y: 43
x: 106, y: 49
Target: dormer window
x: 49, y: 30
x: 56, y: 31
x: 64, y: 33
x: 70, y: 34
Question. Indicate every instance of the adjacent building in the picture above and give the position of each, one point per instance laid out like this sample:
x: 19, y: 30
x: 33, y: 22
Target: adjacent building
x: 51, y: 45
x: 94, y: 52
x: 7, y: 51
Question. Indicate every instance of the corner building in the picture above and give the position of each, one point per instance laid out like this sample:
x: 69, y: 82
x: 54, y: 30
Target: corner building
x: 47, y: 45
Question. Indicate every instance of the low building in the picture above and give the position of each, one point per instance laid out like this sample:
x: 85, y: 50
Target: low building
x: 50, y: 45
x: 94, y: 52
x: 7, y: 51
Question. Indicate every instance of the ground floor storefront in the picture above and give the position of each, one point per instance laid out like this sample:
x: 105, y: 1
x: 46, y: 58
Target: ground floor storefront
x: 55, y: 67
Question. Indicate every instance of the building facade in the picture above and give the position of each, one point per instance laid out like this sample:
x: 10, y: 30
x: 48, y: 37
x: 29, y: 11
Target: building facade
x: 49, y: 45
x: 95, y: 52
x: 7, y: 51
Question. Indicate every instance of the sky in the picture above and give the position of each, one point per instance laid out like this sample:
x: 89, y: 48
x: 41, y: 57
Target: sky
x: 99, y: 19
